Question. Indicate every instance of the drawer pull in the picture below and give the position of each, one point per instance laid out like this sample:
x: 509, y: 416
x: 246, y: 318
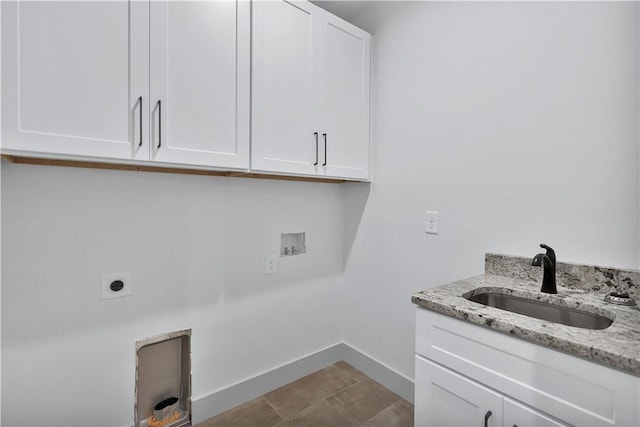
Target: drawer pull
x: 486, y: 418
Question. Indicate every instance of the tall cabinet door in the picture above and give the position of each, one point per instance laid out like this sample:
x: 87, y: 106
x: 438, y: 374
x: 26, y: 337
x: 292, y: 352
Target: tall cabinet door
x: 445, y: 398
x: 74, y: 78
x: 200, y: 82
x: 285, y: 87
x: 344, y: 79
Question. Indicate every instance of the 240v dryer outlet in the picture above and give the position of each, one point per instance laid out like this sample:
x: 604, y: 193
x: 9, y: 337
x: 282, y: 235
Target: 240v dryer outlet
x: 116, y: 285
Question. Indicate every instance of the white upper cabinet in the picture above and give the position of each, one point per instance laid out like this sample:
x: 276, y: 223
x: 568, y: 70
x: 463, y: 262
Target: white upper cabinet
x: 344, y: 83
x: 161, y: 81
x: 169, y: 83
x: 310, y: 99
x: 199, y: 79
x: 285, y: 94
x: 70, y: 80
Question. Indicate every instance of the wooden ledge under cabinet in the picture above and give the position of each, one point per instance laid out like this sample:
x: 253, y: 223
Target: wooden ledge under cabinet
x: 162, y: 169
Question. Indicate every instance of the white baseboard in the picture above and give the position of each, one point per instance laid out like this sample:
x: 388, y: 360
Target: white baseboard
x: 377, y: 371
x: 215, y: 403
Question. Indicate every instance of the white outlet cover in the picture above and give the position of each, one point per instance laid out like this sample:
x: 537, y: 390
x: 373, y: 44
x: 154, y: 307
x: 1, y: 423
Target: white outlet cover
x: 107, y: 279
x: 432, y: 223
x: 271, y: 264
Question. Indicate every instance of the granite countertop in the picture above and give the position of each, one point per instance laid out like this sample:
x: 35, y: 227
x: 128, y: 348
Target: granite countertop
x: 617, y: 346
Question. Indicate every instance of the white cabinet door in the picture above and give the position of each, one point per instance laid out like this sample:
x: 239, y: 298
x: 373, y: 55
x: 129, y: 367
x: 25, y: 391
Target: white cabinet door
x: 310, y: 99
x: 285, y: 98
x: 72, y: 75
x: 517, y: 414
x: 344, y: 81
x: 445, y: 398
x: 199, y: 79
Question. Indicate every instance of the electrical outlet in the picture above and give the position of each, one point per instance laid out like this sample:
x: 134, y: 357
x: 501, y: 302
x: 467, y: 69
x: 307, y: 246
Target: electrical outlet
x: 432, y: 222
x: 271, y: 264
x: 116, y: 285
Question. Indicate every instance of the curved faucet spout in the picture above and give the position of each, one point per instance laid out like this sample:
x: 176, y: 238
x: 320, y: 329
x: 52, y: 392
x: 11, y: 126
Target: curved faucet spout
x: 550, y: 253
x: 548, y: 263
x: 537, y: 260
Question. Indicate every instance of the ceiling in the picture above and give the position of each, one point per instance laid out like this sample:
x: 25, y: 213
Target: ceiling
x: 345, y: 9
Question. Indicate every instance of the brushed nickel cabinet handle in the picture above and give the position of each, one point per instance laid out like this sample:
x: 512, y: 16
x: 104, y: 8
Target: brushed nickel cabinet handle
x: 324, y: 135
x: 140, y: 107
x: 315, y: 134
x: 159, y: 103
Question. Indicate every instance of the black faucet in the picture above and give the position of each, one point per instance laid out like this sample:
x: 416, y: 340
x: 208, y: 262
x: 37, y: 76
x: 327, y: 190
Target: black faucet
x: 548, y: 263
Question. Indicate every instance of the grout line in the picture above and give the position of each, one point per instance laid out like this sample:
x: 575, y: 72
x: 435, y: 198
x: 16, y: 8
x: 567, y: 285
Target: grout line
x: 341, y: 412
x: 384, y: 409
x: 282, y: 418
x: 379, y: 387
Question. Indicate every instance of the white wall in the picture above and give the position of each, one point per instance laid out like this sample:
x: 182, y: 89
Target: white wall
x: 518, y: 121
x: 196, y: 248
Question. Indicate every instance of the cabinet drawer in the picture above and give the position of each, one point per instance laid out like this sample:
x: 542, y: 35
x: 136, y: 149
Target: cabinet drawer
x: 566, y: 387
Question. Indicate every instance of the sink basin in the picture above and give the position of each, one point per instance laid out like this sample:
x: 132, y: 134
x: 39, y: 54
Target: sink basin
x: 542, y: 310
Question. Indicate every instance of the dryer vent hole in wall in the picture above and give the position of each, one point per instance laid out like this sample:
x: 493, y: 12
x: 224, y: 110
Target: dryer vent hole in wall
x: 163, y: 380
x: 292, y: 244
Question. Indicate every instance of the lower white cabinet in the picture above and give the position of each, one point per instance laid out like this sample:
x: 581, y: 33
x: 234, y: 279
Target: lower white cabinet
x: 446, y: 398
x: 519, y: 415
x: 468, y: 375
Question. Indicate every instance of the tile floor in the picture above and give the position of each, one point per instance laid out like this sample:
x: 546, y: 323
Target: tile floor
x: 336, y: 396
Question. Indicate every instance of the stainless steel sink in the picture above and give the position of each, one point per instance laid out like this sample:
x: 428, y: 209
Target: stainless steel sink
x: 542, y: 310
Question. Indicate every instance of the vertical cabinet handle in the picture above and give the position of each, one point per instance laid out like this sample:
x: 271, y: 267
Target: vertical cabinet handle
x: 486, y: 418
x: 140, y: 107
x: 324, y: 135
x: 315, y: 134
x: 159, y: 123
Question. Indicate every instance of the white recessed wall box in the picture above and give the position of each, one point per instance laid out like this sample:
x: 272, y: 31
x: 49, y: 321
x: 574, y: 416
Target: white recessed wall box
x: 292, y: 244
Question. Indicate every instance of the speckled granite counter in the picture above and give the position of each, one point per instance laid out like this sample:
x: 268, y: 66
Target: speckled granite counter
x: 617, y: 346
